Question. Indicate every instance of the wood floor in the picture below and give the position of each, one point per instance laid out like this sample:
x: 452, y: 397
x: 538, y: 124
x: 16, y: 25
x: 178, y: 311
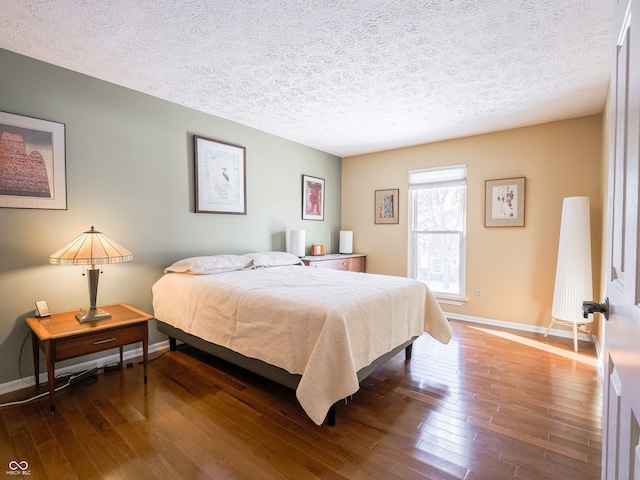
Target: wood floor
x: 492, y: 404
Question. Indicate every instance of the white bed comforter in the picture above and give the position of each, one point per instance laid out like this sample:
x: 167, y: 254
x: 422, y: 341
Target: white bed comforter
x: 322, y: 324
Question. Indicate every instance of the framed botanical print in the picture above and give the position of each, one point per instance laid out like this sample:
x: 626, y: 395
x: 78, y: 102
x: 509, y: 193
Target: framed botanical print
x: 32, y: 163
x: 312, y: 198
x: 504, y: 202
x: 221, y: 178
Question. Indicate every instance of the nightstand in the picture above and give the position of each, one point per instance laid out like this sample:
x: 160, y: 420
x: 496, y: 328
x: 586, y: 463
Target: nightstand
x: 61, y: 337
x: 338, y: 261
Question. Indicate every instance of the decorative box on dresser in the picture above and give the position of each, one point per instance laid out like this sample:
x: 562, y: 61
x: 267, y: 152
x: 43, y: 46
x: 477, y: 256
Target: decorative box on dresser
x: 339, y: 261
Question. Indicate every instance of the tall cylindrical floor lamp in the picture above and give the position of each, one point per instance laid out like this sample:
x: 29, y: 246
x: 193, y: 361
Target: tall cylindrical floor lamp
x: 573, y: 282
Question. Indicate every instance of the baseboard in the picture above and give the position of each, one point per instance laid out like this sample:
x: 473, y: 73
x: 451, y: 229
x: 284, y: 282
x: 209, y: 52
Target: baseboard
x: 78, y: 367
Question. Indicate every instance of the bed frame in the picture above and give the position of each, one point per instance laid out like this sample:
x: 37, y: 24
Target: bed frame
x: 266, y: 370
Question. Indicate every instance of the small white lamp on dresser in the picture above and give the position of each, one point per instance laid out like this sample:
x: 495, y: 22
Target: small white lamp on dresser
x: 297, y: 242
x: 346, y: 241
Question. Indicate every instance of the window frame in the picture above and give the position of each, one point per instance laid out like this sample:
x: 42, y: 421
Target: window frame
x: 434, y: 178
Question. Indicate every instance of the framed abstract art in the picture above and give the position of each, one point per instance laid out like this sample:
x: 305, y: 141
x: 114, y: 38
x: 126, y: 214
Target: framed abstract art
x: 312, y: 198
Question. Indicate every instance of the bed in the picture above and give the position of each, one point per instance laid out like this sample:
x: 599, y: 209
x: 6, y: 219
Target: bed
x: 318, y: 331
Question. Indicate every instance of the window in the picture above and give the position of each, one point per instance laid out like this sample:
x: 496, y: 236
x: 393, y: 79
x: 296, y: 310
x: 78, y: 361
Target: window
x: 437, y: 212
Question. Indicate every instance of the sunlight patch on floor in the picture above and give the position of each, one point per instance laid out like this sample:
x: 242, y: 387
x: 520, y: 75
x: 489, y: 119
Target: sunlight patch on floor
x: 570, y: 354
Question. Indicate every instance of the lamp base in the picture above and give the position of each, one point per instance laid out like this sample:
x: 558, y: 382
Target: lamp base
x: 92, y: 315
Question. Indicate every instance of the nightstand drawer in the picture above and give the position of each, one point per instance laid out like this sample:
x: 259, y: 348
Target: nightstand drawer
x: 103, y: 340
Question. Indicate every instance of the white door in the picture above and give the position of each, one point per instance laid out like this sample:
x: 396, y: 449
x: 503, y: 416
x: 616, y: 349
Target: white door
x: 621, y: 434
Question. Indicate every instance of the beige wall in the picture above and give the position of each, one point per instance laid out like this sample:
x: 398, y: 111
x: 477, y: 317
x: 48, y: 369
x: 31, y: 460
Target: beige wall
x: 515, y: 267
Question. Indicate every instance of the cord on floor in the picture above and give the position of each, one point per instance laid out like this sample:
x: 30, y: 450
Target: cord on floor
x: 71, y: 380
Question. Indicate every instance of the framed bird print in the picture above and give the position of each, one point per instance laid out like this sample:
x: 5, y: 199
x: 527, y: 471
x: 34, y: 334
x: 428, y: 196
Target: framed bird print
x: 221, y: 177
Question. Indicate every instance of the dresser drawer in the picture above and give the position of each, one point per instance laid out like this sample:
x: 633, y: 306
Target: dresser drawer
x: 103, y: 340
x: 337, y: 264
x: 353, y: 263
x: 358, y: 264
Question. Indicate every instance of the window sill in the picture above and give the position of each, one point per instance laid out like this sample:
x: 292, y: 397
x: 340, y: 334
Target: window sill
x: 451, y: 301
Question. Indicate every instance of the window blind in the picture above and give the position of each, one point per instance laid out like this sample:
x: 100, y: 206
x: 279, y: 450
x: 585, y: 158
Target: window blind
x: 438, y: 177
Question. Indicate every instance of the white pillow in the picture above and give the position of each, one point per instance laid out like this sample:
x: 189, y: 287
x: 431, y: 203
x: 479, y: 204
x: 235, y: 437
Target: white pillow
x: 273, y: 259
x: 210, y: 264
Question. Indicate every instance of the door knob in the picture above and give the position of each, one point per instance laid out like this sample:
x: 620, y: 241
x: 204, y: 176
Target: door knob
x: 594, y: 307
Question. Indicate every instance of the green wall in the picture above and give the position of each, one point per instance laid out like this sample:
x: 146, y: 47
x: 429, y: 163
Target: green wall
x: 129, y: 169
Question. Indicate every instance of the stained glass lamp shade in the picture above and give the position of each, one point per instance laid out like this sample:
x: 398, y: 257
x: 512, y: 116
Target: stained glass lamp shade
x: 91, y: 248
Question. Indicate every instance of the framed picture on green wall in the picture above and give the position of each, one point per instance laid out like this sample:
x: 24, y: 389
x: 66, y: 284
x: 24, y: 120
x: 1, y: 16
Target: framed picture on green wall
x: 32, y: 163
x: 221, y: 185
x: 312, y: 198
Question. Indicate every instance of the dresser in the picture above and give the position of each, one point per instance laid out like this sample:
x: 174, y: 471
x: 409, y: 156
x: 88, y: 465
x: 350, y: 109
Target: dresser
x: 338, y: 261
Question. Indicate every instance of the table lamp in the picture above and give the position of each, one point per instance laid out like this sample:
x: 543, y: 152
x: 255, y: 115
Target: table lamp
x: 346, y: 241
x: 91, y: 248
x: 297, y: 242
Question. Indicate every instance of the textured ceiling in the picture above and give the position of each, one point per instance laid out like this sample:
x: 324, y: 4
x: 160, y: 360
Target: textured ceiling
x: 343, y: 76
